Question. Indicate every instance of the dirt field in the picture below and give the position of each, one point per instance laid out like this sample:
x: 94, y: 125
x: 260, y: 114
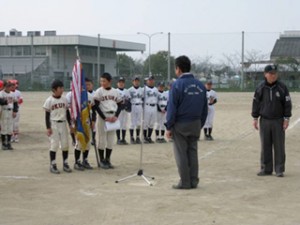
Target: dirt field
x: 229, y: 192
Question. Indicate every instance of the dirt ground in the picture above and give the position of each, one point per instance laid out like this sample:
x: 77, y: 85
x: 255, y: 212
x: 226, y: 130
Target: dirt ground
x: 229, y: 192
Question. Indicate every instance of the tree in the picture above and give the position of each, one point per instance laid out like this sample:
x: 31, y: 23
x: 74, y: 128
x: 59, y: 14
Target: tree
x: 159, y: 65
x: 125, y: 65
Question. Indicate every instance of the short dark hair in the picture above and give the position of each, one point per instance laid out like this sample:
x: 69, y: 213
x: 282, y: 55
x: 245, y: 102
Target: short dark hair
x: 183, y: 63
x: 106, y: 76
x: 56, y: 83
x: 88, y: 80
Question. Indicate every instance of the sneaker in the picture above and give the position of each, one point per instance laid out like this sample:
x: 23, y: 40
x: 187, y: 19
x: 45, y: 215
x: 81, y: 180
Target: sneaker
x: 4, y: 147
x: 53, y: 169
x: 9, y: 147
x: 78, y: 166
x: 103, y: 164
x: 210, y: 138
x: 280, y: 174
x: 138, y: 140
x: 146, y: 141
x: 86, y: 165
x: 132, y: 141
x: 110, y: 166
x: 119, y: 142
x: 263, y: 173
x: 67, y: 168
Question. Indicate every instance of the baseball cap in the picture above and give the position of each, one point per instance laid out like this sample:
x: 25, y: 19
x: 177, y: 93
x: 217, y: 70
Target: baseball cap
x: 161, y: 83
x: 151, y: 77
x: 121, y: 79
x: 270, y: 68
x: 209, y: 82
x: 135, y: 78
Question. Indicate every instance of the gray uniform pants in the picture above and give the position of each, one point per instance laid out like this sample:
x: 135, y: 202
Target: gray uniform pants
x: 272, y: 135
x: 186, y: 137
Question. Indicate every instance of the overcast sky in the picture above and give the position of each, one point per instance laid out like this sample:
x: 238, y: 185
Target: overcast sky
x: 198, y: 28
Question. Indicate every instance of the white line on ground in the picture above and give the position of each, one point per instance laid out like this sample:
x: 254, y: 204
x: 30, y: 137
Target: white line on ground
x: 20, y: 177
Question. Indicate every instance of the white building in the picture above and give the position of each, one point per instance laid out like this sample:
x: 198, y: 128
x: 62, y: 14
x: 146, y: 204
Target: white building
x: 37, y: 59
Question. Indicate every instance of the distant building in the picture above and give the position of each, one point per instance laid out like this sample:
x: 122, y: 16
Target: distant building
x: 36, y: 59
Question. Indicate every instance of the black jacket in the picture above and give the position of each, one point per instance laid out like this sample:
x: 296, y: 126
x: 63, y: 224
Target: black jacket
x: 272, y: 101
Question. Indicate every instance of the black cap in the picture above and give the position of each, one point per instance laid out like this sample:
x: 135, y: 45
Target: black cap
x: 161, y: 83
x: 135, y: 78
x: 150, y: 77
x: 121, y: 79
x: 270, y: 68
x: 209, y: 82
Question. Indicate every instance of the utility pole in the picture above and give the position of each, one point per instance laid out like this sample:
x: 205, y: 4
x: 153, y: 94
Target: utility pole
x: 169, y: 56
x: 98, y: 59
x: 242, y: 71
x: 32, y: 66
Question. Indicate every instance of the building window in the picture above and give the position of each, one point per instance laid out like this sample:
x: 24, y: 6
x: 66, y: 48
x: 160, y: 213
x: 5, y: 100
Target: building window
x: 40, y: 50
x: 26, y: 50
x: 4, y: 51
x: 17, y: 51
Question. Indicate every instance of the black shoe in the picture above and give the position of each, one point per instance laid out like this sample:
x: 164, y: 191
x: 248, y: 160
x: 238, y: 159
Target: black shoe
x: 9, y: 147
x: 119, y: 142
x: 124, y: 142
x: 146, y: 141
x: 163, y: 140
x: 194, y: 183
x: 110, y: 166
x: 263, y: 173
x: 4, y: 147
x: 67, y: 168
x: 103, y: 164
x: 86, y: 165
x: 280, y: 174
x: 132, y: 141
x: 78, y: 166
x: 179, y: 186
x: 53, y: 169
x: 138, y: 140
x: 158, y: 140
x: 150, y: 140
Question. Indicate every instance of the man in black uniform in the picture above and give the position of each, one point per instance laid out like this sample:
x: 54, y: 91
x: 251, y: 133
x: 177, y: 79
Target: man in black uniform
x: 272, y: 105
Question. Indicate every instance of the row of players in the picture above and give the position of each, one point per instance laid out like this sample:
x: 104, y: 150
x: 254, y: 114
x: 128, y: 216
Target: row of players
x: 10, y: 101
x: 110, y: 105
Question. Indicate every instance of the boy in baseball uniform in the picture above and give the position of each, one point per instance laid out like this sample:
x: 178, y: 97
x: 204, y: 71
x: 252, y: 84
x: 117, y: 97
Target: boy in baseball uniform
x: 211, y: 101
x: 136, y: 94
x: 108, y: 107
x: 56, y: 117
x: 123, y: 117
x: 161, y: 113
x: 18, y: 96
x: 151, y: 97
x: 8, y: 113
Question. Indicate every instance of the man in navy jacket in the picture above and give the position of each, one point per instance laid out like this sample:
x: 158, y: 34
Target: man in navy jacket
x: 186, y: 115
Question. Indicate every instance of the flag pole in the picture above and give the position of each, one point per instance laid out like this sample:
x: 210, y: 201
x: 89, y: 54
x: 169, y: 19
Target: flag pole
x: 90, y: 120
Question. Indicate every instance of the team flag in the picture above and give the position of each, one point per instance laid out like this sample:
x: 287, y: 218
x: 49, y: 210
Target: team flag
x: 79, y: 105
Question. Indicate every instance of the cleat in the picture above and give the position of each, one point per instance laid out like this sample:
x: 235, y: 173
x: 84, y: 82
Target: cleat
x: 163, y: 140
x: 158, y: 140
x: 150, y: 141
x: 53, y: 169
x: 78, y: 166
x: 103, y: 164
x: 67, y: 168
x: 132, y: 141
x: 263, y: 173
x: 119, y: 142
x: 146, y: 141
x: 86, y: 165
x: 138, y: 140
x: 124, y: 142
x: 9, y: 147
x: 280, y: 174
x: 4, y: 147
x: 110, y: 166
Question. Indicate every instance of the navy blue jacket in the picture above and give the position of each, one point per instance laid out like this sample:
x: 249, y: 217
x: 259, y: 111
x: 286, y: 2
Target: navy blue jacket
x: 187, y: 101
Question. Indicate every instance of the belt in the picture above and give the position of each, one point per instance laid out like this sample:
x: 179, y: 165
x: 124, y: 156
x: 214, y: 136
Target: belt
x: 151, y: 104
x: 59, y: 121
x: 8, y: 109
x: 110, y: 112
x: 137, y: 104
x: 162, y: 106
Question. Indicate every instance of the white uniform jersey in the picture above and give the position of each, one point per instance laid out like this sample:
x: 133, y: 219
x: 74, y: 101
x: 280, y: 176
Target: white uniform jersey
x: 57, y: 107
x: 108, y: 99
x: 211, y: 95
x: 136, y: 95
x: 10, y: 98
x: 18, y: 96
x: 162, y: 100
x: 69, y: 98
x: 151, y: 95
x: 92, y: 92
x: 123, y: 94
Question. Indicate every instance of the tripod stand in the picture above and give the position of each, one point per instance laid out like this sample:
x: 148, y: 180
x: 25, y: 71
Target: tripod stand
x: 140, y: 171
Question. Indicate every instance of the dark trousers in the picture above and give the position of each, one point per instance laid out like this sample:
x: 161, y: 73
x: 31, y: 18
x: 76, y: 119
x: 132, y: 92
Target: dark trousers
x: 185, y: 136
x: 272, y: 136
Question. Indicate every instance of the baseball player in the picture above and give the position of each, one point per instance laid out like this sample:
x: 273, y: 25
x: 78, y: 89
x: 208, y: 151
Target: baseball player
x: 72, y: 134
x: 108, y: 106
x: 9, y: 112
x: 56, y: 117
x: 151, y: 94
x: 90, y: 88
x: 161, y: 113
x: 123, y: 117
x: 136, y: 94
x: 211, y: 101
x: 18, y: 96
